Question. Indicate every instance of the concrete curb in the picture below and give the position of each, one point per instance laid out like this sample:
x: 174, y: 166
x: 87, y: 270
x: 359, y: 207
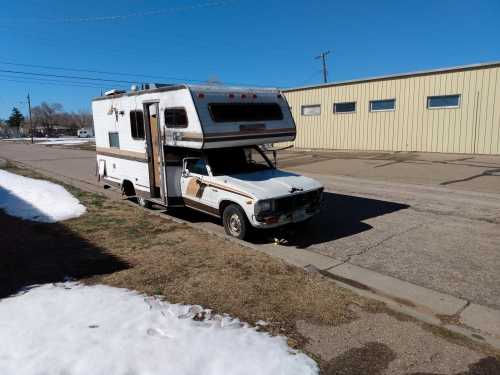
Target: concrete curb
x: 426, y: 300
x: 479, y: 323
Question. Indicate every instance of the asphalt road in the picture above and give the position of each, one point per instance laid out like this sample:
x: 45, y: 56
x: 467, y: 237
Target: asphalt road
x: 435, y: 235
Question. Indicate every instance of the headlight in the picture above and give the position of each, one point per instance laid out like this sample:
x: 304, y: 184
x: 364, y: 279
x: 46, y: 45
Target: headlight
x: 263, y: 206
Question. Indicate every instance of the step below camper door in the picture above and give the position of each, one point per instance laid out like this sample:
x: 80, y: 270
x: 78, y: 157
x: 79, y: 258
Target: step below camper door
x: 154, y: 147
x: 173, y: 171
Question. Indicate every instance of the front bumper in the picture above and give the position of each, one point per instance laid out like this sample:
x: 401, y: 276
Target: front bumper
x: 279, y: 220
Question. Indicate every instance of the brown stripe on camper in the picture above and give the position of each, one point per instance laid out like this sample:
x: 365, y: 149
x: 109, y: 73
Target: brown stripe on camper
x: 190, y: 137
x: 258, y: 133
x: 122, y: 154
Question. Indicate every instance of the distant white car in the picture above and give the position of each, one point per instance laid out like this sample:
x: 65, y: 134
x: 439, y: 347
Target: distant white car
x: 83, y: 133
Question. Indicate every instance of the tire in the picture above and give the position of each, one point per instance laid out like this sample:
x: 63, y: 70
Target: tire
x: 235, y: 222
x: 143, y: 202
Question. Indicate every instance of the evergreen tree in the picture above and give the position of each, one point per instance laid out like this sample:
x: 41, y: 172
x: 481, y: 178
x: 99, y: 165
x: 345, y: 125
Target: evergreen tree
x: 16, y: 119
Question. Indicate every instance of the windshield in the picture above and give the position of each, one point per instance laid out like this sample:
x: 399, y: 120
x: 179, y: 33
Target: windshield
x: 231, y: 161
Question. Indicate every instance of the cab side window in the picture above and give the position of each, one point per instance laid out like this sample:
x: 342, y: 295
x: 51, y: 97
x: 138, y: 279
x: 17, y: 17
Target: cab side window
x: 197, y: 166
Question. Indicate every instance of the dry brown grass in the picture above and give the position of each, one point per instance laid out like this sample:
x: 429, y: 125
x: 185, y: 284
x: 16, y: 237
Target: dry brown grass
x: 193, y: 267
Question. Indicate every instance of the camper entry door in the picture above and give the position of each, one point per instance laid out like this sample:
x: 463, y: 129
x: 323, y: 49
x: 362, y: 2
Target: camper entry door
x: 154, y: 148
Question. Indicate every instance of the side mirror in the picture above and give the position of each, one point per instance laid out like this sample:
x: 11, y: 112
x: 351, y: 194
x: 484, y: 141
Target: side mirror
x: 185, y: 173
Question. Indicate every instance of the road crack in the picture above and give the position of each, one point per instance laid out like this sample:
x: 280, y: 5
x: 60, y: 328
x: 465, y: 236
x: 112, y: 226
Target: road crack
x: 377, y: 244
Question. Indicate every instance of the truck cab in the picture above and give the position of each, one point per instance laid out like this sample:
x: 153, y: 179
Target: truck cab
x: 242, y: 186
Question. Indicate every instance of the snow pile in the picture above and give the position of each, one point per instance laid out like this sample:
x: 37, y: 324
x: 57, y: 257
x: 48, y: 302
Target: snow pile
x: 36, y: 200
x: 53, y: 141
x: 74, y: 329
x: 65, y: 142
x: 62, y: 141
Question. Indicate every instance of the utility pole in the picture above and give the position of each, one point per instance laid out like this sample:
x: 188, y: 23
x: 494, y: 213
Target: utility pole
x: 31, y: 121
x: 322, y: 56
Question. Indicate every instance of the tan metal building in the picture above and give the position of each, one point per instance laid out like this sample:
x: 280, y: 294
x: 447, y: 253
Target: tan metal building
x: 454, y: 110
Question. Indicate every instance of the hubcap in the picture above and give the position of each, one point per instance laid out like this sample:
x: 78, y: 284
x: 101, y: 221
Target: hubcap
x: 235, y: 225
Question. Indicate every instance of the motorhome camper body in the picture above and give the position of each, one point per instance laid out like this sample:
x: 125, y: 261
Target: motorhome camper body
x: 196, y: 146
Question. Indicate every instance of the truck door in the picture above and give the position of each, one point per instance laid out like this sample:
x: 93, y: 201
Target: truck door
x: 154, y: 146
x: 195, y: 185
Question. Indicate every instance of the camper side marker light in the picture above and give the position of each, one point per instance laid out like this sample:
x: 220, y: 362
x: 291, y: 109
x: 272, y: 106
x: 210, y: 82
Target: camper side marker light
x: 231, y: 96
x: 243, y: 96
x: 254, y: 96
x: 201, y: 95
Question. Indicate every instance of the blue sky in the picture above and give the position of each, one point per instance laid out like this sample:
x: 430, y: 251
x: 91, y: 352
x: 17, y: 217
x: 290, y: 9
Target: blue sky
x: 261, y: 42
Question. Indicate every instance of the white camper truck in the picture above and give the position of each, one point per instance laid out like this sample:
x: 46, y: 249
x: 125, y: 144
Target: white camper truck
x: 198, y: 146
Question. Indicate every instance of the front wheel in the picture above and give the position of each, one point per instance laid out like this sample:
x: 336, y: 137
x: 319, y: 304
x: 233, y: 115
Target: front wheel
x: 235, y: 222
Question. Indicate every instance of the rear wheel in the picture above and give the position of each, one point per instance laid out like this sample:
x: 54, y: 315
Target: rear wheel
x: 235, y: 222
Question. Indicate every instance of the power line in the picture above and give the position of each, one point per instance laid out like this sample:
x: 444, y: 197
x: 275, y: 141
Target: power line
x: 131, y: 15
x: 41, y: 82
x: 69, y: 77
x: 40, y: 79
x: 86, y: 70
x: 129, y: 82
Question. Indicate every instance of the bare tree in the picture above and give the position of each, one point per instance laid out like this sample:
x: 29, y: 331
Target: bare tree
x: 46, y: 115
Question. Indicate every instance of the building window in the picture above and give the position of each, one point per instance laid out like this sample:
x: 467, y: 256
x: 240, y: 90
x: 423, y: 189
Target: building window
x: 114, y: 140
x: 311, y: 110
x: 443, y: 101
x: 176, y: 118
x: 346, y: 107
x: 137, y: 124
x: 382, y: 105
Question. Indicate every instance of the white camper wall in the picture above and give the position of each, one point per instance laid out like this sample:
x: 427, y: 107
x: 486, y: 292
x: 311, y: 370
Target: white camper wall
x: 113, y: 115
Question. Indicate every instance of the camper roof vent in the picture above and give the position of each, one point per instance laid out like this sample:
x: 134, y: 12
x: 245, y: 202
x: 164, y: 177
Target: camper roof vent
x: 114, y: 92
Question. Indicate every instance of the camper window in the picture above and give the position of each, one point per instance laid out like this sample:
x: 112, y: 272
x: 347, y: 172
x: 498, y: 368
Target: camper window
x: 243, y: 112
x: 176, y: 118
x: 114, y: 140
x: 137, y: 124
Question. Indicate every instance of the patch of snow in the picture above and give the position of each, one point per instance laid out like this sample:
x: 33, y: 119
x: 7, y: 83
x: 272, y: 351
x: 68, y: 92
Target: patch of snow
x: 53, y: 141
x: 37, y: 200
x: 66, y: 141
x: 73, y: 329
